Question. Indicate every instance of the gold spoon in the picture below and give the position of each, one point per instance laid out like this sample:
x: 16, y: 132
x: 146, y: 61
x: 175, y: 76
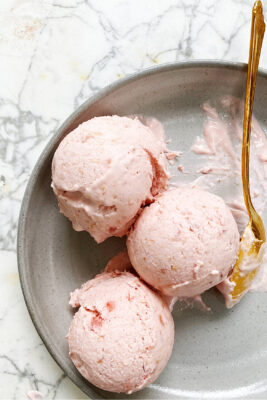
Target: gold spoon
x: 251, y: 246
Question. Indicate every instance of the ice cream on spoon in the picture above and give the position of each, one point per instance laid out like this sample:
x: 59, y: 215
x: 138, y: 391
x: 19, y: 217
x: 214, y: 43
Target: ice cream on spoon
x: 253, y: 239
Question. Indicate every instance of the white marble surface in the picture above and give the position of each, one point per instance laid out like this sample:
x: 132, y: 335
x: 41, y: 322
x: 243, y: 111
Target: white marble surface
x: 53, y: 55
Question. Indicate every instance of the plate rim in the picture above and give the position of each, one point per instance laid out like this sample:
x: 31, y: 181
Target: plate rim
x: 22, y: 267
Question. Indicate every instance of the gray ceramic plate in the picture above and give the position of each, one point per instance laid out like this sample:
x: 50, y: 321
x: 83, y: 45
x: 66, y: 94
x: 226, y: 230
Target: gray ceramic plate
x: 222, y: 355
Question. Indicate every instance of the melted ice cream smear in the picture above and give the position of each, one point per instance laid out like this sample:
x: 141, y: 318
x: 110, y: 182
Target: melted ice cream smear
x: 219, y: 158
x: 35, y: 395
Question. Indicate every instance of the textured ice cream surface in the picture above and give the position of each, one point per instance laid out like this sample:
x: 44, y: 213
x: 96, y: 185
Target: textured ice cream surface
x: 122, y: 336
x: 184, y: 243
x: 104, y: 171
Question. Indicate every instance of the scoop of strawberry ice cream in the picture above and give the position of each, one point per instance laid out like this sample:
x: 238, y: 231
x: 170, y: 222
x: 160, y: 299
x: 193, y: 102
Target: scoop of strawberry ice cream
x: 184, y: 243
x: 122, y: 336
x: 104, y: 171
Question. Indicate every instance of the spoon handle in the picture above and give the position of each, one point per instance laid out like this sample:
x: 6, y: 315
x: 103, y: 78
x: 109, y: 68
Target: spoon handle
x: 256, y: 37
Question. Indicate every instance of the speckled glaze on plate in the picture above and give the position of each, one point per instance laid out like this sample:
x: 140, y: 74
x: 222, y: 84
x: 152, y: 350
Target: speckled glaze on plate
x: 220, y: 355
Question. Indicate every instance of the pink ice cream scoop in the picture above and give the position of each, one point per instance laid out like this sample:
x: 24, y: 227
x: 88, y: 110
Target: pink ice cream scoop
x: 184, y: 243
x: 104, y: 171
x: 122, y: 336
